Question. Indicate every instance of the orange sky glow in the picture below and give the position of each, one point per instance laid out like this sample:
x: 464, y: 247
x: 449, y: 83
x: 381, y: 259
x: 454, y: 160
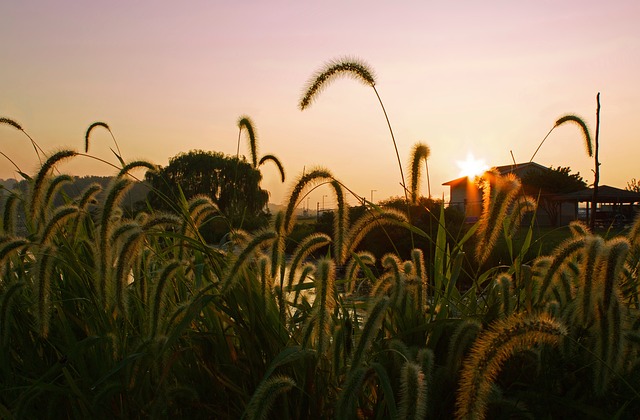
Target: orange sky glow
x: 482, y: 78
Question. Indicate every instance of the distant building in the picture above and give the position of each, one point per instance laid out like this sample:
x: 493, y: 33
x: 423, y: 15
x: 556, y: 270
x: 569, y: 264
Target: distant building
x: 614, y: 206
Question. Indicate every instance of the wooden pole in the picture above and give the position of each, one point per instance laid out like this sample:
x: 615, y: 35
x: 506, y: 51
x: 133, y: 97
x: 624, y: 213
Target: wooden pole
x: 596, y: 180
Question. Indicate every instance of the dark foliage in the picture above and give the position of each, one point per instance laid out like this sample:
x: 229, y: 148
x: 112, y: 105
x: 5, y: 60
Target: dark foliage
x: 232, y: 183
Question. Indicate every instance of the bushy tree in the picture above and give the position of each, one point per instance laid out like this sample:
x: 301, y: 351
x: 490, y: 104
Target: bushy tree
x: 633, y: 185
x: 232, y: 183
x: 548, y: 184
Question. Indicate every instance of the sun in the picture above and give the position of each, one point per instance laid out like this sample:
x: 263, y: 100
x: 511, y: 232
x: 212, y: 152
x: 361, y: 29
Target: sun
x: 472, y: 167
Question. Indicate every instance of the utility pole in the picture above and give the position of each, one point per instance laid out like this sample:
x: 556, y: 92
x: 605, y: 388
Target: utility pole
x: 317, y: 212
x: 596, y: 179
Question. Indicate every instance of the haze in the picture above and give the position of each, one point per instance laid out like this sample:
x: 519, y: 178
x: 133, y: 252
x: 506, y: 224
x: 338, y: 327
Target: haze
x: 487, y: 78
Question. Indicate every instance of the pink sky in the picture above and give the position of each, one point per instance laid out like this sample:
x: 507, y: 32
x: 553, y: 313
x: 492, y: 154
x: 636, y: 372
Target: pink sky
x: 482, y: 77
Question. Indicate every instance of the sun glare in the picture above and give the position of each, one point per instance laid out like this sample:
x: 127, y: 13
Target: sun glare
x: 472, y: 167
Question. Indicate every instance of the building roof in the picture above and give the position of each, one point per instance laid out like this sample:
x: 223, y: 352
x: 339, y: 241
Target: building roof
x: 518, y: 169
x: 606, y: 194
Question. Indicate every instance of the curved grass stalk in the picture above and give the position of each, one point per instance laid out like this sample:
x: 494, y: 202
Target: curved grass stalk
x: 355, y: 266
x: 17, y: 126
x: 158, y: 299
x: 503, y: 339
x: 417, y: 257
x: 366, y: 223
x: 594, y: 248
x: 355, y: 69
x: 116, y: 192
x: 578, y: 228
x: 420, y: 152
x: 522, y: 206
x: 53, y: 188
x: 305, y: 271
x: 276, y: 161
x: 245, y: 123
x: 320, y: 323
x: 559, y: 258
x: 331, y: 71
x: 617, y: 250
x: 316, y: 176
x: 260, y: 239
x: 583, y: 126
x: 371, y: 327
x: 36, y: 202
x: 502, y: 290
x: 55, y: 223
x: 128, y: 252
x: 6, y: 305
x: 351, y: 389
x: 340, y: 221
x: 413, y: 392
x: 277, y: 249
x: 391, y: 263
x: 106, y: 127
x: 9, y: 214
x: 494, y: 211
x: 308, y: 245
x: 200, y: 207
x: 45, y: 272
x: 461, y: 341
x: 265, y: 395
x: 9, y: 245
x: 18, y: 170
x: 136, y: 164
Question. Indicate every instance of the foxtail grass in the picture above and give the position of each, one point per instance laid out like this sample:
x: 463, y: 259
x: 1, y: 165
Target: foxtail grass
x: 7, y: 301
x: 491, y: 350
x: 9, y: 212
x: 370, y: 330
x: 106, y: 127
x: 560, y: 257
x: 368, y: 222
x: 499, y: 193
x: 462, y: 338
x: 413, y: 392
x: 126, y: 256
x: 308, y: 245
x: 45, y: 273
x: 583, y: 127
x: 36, y: 200
x: 158, y: 301
x: 420, y: 152
x: 245, y: 123
x: 56, y: 222
x: 304, y: 183
x: 617, y: 250
x: 360, y: 71
x: 276, y: 161
x: 355, y: 266
x: 260, y: 239
x: 264, y: 397
x: 14, y: 124
x: 333, y: 70
x: 321, y: 319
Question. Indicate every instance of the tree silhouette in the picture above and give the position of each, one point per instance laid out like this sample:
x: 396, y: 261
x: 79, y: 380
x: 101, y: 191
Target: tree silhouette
x: 547, y: 184
x: 233, y: 184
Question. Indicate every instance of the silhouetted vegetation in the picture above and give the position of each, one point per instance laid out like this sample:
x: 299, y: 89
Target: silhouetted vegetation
x: 396, y: 310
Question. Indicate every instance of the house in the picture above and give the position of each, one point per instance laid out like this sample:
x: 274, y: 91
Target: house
x: 614, y: 205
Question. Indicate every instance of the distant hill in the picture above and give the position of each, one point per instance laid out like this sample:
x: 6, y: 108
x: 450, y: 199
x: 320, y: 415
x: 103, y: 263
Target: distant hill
x: 137, y: 193
x: 8, y: 183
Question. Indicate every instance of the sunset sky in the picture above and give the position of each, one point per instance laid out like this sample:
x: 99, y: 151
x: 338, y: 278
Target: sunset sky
x: 486, y: 78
